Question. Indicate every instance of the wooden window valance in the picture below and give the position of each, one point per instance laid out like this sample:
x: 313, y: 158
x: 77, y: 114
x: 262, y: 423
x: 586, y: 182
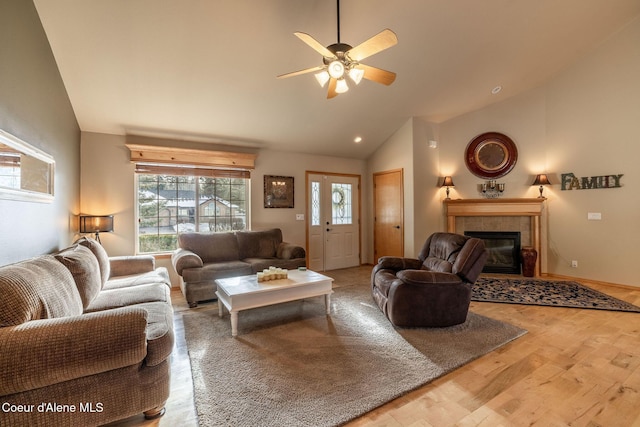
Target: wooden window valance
x: 177, y: 170
x: 185, y: 161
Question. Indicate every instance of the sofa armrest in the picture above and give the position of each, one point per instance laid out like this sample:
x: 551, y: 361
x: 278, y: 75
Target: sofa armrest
x: 128, y: 265
x: 290, y: 251
x: 43, y: 352
x: 427, y: 277
x: 425, y: 297
x: 397, y: 263
x: 471, y: 260
x: 183, y: 258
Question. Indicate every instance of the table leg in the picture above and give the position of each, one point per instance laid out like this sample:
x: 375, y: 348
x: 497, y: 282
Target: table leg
x: 220, y: 308
x: 327, y: 302
x: 234, y: 323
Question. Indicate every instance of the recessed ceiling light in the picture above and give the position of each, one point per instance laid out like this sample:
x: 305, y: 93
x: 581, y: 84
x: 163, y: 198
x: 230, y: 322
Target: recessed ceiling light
x: 496, y: 89
x: 357, y: 139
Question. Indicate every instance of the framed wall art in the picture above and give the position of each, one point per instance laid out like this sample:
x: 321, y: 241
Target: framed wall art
x: 278, y: 191
x: 491, y: 155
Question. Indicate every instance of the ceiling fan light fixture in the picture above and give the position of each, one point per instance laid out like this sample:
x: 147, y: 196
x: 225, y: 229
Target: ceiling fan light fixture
x: 322, y: 77
x: 340, y: 59
x: 356, y: 75
x: 341, y: 86
x: 336, y: 69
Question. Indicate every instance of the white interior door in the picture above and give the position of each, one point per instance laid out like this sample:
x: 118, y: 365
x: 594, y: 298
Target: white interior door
x: 333, y: 221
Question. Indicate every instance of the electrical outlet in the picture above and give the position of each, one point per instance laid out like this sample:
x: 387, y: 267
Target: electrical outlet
x: 574, y: 263
x: 594, y: 216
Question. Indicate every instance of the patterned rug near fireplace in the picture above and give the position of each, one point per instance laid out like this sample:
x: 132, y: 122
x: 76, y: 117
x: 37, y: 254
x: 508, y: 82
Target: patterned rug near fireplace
x: 546, y: 293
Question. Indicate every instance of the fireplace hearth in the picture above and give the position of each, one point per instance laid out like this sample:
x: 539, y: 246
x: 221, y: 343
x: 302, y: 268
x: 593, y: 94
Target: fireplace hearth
x: 503, y: 248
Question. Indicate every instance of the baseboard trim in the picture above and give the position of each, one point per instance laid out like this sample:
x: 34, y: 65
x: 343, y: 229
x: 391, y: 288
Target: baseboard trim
x: 578, y: 279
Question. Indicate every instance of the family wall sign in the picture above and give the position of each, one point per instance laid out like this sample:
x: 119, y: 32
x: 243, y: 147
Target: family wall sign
x: 572, y: 182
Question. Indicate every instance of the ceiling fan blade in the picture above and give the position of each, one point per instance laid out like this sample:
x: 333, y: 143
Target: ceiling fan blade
x: 315, y: 45
x: 381, y: 41
x: 297, y: 73
x: 377, y: 75
x: 331, y: 93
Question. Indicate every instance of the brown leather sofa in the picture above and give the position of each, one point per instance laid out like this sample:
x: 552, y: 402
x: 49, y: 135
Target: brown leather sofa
x: 433, y: 290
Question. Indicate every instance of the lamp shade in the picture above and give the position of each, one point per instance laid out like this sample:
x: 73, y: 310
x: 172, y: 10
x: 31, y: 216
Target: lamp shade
x: 341, y: 86
x: 322, y: 77
x: 447, y: 182
x: 356, y: 75
x: 541, y: 180
x: 96, y: 224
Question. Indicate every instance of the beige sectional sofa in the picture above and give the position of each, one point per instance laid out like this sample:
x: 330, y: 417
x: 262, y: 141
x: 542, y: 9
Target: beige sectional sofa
x: 84, y: 339
x: 204, y: 257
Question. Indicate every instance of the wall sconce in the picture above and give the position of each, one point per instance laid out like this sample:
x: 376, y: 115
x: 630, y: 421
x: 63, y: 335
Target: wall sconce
x: 96, y: 224
x: 541, y: 180
x: 491, y: 189
x: 447, y: 182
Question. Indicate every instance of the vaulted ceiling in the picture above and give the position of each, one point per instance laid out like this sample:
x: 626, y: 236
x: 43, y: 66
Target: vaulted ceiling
x: 205, y: 70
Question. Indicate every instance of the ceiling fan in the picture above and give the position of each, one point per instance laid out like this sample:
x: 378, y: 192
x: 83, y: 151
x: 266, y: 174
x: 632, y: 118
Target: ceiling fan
x: 341, y: 60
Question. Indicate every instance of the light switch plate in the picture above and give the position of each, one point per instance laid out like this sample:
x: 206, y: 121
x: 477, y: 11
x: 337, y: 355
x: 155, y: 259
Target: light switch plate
x: 299, y: 217
x: 594, y: 216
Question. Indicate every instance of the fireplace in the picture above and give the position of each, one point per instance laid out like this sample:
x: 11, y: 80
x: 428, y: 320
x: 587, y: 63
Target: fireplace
x: 529, y: 214
x: 503, y: 248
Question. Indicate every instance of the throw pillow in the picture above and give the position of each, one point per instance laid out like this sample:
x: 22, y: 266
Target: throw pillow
x: 100, y: 254
x: 85, y: 270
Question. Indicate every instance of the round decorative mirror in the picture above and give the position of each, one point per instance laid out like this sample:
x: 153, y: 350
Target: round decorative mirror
x: 491, y: 155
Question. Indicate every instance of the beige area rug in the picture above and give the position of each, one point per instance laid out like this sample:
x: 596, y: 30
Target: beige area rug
x: 292, y: 365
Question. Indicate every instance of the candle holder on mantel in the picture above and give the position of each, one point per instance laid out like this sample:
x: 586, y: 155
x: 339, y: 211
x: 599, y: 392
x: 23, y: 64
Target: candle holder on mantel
x: 491, y: 189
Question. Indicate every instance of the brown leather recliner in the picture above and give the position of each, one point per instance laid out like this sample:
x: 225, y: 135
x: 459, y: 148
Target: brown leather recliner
x: 433, y: 290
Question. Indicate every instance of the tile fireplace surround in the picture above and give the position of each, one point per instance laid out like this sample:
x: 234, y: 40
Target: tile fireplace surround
x: 528, y: 216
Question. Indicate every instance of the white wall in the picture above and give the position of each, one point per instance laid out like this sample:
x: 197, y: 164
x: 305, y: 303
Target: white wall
x: 428, y: 171
x: 583, y: 121
x: 107, y: 177
x: 34, y: 106
x: 396, y: 153
x: 108, y: 188
x: 586, y: 121
x: 521, y: 118
x: 408, y: 149
x: 271, y: 162
x: 593, y: 123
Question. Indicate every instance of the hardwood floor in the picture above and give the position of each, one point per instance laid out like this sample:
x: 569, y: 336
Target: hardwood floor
x: 575, y: 367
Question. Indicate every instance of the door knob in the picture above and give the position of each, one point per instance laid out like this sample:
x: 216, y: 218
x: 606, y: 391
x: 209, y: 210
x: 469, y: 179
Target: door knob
x: 397, y: 226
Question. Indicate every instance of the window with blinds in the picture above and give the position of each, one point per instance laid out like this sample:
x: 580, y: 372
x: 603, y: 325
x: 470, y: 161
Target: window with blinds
x: 176, y: 196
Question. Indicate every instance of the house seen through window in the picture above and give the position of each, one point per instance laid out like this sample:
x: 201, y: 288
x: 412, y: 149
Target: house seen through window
x: 170, y: 204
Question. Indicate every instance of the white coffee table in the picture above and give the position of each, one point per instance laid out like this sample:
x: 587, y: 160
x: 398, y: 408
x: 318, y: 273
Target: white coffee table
x: 245, y: 292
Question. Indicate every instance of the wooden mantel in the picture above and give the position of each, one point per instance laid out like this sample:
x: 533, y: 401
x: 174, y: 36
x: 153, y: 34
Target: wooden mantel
x: 533, y: 208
